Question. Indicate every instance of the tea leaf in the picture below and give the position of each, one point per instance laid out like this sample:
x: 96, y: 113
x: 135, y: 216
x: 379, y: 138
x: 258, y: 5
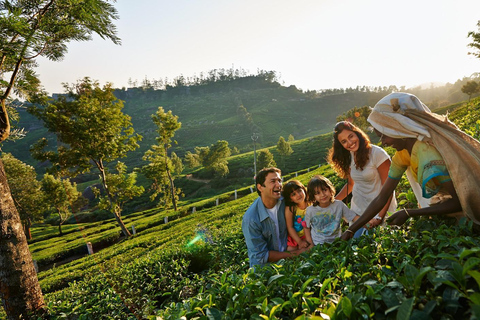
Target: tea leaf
x: 405, y: 309
x: 273, y: 278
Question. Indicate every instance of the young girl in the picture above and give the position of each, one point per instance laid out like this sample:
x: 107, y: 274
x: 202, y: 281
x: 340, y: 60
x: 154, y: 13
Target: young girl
x: 295, y: 195
x: 323, y: 218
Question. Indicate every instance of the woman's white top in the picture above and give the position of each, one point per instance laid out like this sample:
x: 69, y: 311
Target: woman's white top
x: 367, y: 181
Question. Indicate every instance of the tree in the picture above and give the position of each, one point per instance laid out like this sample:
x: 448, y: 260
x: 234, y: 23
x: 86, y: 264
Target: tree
x: 160, y: 165
x: 265, y: 159
x: 470, y: 88
x: 214, y: 158
x: 177, y: 163
x: 62, y: 196
x: 192, y: 160
x: 91, y: 128
x: 121, y: 188
x: 357, y: 116
x: 284, y: 148
x: 475, y: 41
x: 291, y: 138
x: 28, y: 30
x: 26, y: 191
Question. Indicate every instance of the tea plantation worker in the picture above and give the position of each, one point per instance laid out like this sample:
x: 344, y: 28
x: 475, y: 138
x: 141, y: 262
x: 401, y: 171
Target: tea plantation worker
x: 263, y: 224
x: 442, y: 163
x: 365, y: 166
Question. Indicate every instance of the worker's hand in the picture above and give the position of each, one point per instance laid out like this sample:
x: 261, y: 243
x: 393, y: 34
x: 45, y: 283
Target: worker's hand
x: 398, y: 218
x: 348, y: 234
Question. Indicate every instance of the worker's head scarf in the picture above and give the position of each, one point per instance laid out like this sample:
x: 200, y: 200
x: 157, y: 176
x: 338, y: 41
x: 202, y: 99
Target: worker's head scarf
x: 388, y: 116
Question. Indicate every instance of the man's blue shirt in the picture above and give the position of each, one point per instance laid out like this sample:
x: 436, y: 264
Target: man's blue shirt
x: 260, y: 232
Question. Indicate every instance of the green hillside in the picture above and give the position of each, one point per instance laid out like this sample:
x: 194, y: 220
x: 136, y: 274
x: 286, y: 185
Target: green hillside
x: 233, y: 108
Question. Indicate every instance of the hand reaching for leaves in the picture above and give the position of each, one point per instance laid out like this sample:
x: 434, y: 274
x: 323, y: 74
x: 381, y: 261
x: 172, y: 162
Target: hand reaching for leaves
x: 398, y: 218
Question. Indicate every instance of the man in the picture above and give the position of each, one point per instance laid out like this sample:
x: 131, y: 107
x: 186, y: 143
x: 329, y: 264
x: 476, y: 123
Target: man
x: 263, y: 224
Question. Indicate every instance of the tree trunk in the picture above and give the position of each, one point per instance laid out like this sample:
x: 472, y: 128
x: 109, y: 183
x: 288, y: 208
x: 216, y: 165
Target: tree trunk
x: 60, y: 222
x: 172, y: 186
x: 19, y: 287
x: 112, y: 205
x: 125, y: 231
x: 28, y: 232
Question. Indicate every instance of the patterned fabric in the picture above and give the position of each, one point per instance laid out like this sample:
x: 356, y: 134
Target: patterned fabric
x: 427, y: 165
x: 299, y: 221
x: 325, y: 223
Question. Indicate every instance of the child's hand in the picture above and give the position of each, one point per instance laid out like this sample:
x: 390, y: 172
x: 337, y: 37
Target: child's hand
x: 374, y: 222
x: 303, y: 244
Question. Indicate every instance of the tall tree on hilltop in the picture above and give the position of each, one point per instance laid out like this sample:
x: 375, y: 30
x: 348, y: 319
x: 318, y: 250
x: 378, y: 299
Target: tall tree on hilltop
x: 28, y: 30
x: 91, y: 128
x: 161, y: 166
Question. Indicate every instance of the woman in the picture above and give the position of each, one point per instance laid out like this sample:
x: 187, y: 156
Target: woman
x: 439, y: 160
x: 365, y: 166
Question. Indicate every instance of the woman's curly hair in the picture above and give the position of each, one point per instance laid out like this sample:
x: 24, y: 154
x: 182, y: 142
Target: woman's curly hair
x: 340, y: 158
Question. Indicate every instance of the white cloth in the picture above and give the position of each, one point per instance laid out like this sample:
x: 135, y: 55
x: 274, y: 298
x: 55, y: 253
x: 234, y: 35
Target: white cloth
x: 388, y: 118
x: 368, y: 182
x: 325, y: 223
x: 273, y: 213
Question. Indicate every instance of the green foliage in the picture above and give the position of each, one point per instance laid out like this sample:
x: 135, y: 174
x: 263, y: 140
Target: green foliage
x: 121, y: 188
x: 265, y: 159
x: 475, y: 44
x: 357, y: 116
x: 192, y: 160
x: 43, y: 28
x: 161, y: 167
x: 91, y: 126
x: 284, y: 148
x: 62, y: 196
x: 25, y: 188
x: 470, y: 88
x: 214, y: 158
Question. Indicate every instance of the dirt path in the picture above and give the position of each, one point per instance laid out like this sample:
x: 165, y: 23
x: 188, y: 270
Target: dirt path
x: 190, y: 177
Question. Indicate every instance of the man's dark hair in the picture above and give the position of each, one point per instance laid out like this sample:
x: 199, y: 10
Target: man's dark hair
x: 262, y: 175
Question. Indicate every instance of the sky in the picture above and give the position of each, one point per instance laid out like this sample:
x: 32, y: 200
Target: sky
x: 312, y: 44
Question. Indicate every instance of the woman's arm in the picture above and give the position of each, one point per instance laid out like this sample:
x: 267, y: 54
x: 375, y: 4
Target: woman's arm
x: 383, y: 172
x: 373, y: 208
x: 451, y: 205
x: 346, y: 190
